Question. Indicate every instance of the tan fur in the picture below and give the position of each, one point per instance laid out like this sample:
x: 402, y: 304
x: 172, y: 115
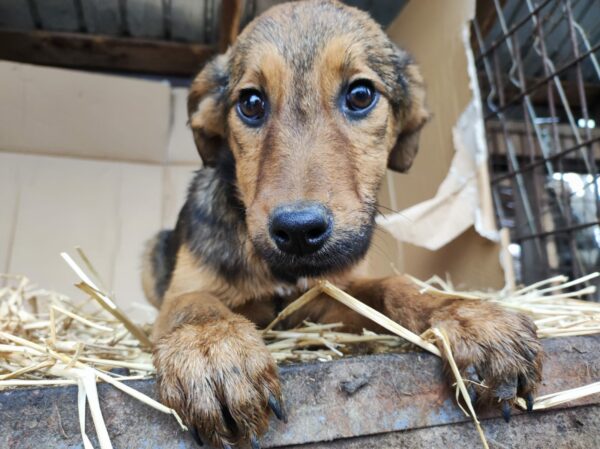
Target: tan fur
x: 189, y: 276
x: 212, y: 365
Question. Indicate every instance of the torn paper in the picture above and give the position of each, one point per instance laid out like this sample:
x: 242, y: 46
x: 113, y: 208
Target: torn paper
x: 463, y: 199
x: 435, y: 222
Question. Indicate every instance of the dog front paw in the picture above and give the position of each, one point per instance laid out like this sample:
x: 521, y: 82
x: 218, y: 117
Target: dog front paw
x: 221, y: 379
x: 497, y: 352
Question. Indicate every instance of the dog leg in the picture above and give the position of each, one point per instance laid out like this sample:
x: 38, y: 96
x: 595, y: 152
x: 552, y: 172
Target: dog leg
x: 215, y: 371
x: 496, y: 349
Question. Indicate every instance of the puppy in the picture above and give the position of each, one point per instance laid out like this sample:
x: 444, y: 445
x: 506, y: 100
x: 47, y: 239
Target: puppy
x: 296, y: 124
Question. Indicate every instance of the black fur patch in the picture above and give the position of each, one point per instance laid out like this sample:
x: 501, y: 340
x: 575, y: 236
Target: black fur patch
x: 163, y: 259
x: 212, y: 221
x: 345, y: 249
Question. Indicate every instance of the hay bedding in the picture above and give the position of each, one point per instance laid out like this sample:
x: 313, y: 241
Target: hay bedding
x: 48, y: 339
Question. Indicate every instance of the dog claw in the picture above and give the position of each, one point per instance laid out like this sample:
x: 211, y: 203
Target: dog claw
x: 506, y: 411
x: 196, y: 437
x: 254, y: 442
x: 529, y: 401
x: 277, y: 409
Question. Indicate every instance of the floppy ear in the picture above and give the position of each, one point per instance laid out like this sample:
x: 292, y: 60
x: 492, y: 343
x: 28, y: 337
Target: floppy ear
x: 411, y: 119
x: 206, y: 108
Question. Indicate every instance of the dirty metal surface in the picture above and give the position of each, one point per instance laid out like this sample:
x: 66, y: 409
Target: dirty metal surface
x: 353, y: 397
x: 573, y: 428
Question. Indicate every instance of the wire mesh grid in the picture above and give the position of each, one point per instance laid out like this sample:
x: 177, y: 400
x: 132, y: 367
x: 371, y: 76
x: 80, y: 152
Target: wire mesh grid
x: 539, y: 75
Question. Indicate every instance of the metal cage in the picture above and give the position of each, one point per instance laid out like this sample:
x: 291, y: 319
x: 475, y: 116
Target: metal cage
x: 539, y: 75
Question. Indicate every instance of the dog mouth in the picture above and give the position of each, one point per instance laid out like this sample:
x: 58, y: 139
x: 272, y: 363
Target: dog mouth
x: 343, y: 250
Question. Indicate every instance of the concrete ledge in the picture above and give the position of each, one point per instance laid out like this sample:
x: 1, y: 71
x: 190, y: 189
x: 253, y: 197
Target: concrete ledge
x: 402, y: 398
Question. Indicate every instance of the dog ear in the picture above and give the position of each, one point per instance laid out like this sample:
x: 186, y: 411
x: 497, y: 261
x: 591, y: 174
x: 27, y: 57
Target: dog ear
x: 207, y: 100
x: 412, y: 118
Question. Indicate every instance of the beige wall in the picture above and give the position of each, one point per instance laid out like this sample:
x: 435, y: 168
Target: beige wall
x: 68, y: 113
x: 88, y: 160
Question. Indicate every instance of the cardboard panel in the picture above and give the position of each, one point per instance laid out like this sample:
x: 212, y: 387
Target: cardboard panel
x: 176, y: 181
x: 137, y: 219
x: 9, y: 204
x: 109, y: 209
x: 438, y: 49
x: 432, y: 33
x: 181, y: 147
x: 70, y: 113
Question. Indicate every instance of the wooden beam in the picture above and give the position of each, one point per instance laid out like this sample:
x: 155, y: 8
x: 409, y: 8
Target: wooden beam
x: 84, y: 51
x: 229, y: 24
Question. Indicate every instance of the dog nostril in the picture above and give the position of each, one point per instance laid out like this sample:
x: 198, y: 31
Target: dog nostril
x: 281, y: 236
x: 316, y: 232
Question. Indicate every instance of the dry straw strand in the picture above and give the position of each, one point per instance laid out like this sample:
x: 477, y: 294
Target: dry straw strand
x: 377, y: 317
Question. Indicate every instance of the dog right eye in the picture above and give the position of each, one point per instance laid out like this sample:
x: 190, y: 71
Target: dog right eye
x: 251, y: 107
x: 359, y: 99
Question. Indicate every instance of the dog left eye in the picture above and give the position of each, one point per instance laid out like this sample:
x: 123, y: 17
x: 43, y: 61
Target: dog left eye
x: 251, y: 107
x: 360, y: 96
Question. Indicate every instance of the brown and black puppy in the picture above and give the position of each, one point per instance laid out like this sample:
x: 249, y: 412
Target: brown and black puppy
x: 296, y: 125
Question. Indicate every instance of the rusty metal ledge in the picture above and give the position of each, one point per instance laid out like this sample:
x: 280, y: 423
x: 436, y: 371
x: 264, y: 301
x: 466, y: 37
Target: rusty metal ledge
x: 572, y: 428
x: 394, y: 393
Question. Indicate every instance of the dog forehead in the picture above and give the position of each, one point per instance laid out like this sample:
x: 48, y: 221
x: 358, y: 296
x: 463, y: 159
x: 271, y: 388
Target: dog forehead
x: 301, y: 31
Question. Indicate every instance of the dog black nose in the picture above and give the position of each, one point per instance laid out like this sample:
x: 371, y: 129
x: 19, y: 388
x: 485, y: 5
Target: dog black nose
x: 300, y: 228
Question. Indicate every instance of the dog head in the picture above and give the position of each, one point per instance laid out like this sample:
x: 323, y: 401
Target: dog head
x: 314, y: 102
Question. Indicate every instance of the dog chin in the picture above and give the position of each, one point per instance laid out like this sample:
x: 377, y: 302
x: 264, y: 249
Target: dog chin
x: 338, y: 255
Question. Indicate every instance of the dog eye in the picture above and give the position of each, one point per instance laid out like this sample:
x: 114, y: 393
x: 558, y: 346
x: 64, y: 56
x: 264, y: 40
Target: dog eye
x: 251, y: 107
x: 360, y: 95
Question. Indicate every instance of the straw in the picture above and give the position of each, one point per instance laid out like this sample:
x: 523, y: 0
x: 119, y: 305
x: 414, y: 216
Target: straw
x: 562, y: 397
x: 106, y: 302
x: 377, y: 317
x: 440, y: 334
x: 47, y: 339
